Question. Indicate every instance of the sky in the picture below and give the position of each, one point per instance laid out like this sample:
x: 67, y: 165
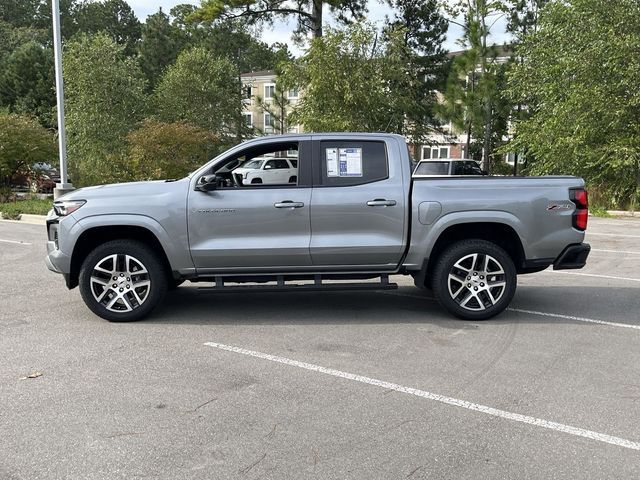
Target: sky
x: 281, y: 31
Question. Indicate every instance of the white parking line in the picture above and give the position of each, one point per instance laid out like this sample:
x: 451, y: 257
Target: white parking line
x: 15, y: 242
x: 613, y: 235
x: 578, y: 319
x: 614, y: 251
x: 543, y: 314
x: 516, y: 417
x: 627, y: 279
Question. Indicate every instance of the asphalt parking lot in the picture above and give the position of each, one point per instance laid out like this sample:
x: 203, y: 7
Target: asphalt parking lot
x: 329, y: 385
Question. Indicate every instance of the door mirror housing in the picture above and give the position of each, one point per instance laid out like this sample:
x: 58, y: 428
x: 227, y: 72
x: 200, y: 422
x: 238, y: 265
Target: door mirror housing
x: 207, y: 183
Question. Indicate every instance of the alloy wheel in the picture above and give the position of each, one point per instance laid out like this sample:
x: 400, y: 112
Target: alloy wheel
x: 120, y: 283
x: 476, y: 281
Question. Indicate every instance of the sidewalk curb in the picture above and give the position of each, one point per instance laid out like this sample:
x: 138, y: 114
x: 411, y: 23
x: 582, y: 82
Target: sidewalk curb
x: 27, y: 219
x: 622, y: 213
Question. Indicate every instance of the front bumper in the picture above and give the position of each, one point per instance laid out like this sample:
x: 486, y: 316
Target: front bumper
x: 56, y: 260
x: 572, y: 257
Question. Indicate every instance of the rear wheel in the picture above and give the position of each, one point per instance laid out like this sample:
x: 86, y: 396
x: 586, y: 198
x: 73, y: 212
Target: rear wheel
x: 474, y: 279
x: 256, y: 180
x: 122, y: 280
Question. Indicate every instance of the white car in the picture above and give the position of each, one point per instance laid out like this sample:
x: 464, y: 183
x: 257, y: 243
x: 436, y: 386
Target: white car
x: 268, y: 170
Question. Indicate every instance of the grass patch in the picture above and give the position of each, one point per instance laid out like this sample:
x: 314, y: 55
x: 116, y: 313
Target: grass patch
x: 33, y: 206
x: 598, y: 211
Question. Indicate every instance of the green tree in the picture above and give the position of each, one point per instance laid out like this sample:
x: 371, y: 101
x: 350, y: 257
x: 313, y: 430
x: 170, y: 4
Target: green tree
x: 523, y: 20
x: 352, y: 81
x: 277, y: 107
x: 19, y: 13
x: 159, y: 46
x: 471, y: 95
x: 23, y: 143
x: 579, y: 80
x: 113, y: 17
x: 27, y: 82
x: 160, y: 150
x: 420, y: 30
x: 105, y: 99
x: 307, y: 13
x: 202, y: 90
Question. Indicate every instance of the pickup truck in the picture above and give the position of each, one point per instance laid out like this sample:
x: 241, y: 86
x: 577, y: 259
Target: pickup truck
x: 354, y: 213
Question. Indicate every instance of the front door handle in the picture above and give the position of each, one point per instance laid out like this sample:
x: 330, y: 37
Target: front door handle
x: 381, y: 202
x: 288, y: 204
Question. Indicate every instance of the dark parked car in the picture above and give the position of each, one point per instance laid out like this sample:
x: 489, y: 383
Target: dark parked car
x: 447, y: 166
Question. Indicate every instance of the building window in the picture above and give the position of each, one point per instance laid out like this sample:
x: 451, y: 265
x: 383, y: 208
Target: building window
x: 430, y: 153
x: 511, y: 156
x: 269, y: 90
x: 248, y: 91
x: 293, y: 93
x: 269, y: 123
x: 248, y: 119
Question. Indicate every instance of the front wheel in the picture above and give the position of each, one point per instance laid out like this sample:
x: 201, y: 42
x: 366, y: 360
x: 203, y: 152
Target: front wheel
x: 474, y: 279
x: 122, y: 280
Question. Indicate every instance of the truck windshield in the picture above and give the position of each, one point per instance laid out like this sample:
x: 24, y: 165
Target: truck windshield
x: 432, y: 168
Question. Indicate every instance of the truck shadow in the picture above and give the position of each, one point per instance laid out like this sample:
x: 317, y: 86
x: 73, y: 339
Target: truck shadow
x: 189, y: 305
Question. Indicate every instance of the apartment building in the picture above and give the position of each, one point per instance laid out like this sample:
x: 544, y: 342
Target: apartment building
x: 266, y: 106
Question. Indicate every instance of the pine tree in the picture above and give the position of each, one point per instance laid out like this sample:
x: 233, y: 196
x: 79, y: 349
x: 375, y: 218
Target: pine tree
x: 159, y: 46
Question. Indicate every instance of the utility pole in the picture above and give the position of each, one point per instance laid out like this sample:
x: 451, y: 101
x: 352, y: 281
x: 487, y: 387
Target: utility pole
x: 62, y: 187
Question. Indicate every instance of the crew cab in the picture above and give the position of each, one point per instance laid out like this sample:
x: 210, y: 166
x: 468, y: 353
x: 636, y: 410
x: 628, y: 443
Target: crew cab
x: 355, y: 212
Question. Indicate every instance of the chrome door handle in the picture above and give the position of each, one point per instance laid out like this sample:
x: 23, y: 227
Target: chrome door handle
x: 381, y: 202
x: 288, y: 204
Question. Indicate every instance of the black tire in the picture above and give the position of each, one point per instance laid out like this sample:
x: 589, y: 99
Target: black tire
x: 256, y: 180
x: 293, y: 179
x: 114, y: 254
x: 476, y: 298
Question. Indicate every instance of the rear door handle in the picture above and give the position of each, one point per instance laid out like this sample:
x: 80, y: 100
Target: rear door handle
x: 288, y: 204
x: 381, y: 202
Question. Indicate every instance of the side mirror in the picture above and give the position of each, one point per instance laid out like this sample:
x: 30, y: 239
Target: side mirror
x: 207, y: 183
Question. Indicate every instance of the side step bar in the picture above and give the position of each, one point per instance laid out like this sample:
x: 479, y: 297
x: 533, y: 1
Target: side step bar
x: 282, y: 285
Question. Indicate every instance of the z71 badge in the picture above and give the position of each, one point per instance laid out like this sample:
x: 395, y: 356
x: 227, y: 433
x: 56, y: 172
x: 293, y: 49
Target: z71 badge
x: 558, y: 207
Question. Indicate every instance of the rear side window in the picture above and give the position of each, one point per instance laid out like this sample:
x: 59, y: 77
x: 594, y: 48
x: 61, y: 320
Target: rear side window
x: 345, y: 163
x: 432, y: 168
x: 277, y: 164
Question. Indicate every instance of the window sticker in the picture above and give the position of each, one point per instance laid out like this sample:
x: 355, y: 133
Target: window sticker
x: 332, y: 162
x: 350, y: 162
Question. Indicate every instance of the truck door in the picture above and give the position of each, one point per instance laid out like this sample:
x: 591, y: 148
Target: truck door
x: 358, y: 205
x: 252, y: 227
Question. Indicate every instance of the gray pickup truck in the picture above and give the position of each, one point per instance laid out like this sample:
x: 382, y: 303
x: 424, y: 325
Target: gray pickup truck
x: 350, y: 211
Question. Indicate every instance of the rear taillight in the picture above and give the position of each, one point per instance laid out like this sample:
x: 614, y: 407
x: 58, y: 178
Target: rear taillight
x: 581, y: 214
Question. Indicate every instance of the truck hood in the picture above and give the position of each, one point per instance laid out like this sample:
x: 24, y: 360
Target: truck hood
x: 129, y: 190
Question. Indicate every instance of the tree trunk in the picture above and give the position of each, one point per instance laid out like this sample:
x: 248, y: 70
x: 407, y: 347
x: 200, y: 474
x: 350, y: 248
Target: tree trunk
x: 316, y: 18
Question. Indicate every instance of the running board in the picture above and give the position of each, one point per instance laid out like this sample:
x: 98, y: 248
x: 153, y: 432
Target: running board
x: 281, y: 285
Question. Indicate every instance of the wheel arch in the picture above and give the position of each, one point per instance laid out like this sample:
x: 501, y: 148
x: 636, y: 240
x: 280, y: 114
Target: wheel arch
x: 96, y: 235
x: 499, y: 233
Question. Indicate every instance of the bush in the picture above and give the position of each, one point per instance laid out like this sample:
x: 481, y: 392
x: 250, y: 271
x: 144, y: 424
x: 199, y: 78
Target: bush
x: 35, y: 206
x: 159, y: 150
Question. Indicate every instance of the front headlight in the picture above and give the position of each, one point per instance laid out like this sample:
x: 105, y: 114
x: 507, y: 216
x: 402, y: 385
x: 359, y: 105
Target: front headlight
x: 67, y: 207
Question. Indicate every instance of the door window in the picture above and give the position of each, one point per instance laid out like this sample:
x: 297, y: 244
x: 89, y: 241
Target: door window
x: 351, y: 163
x: 263, y: 166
